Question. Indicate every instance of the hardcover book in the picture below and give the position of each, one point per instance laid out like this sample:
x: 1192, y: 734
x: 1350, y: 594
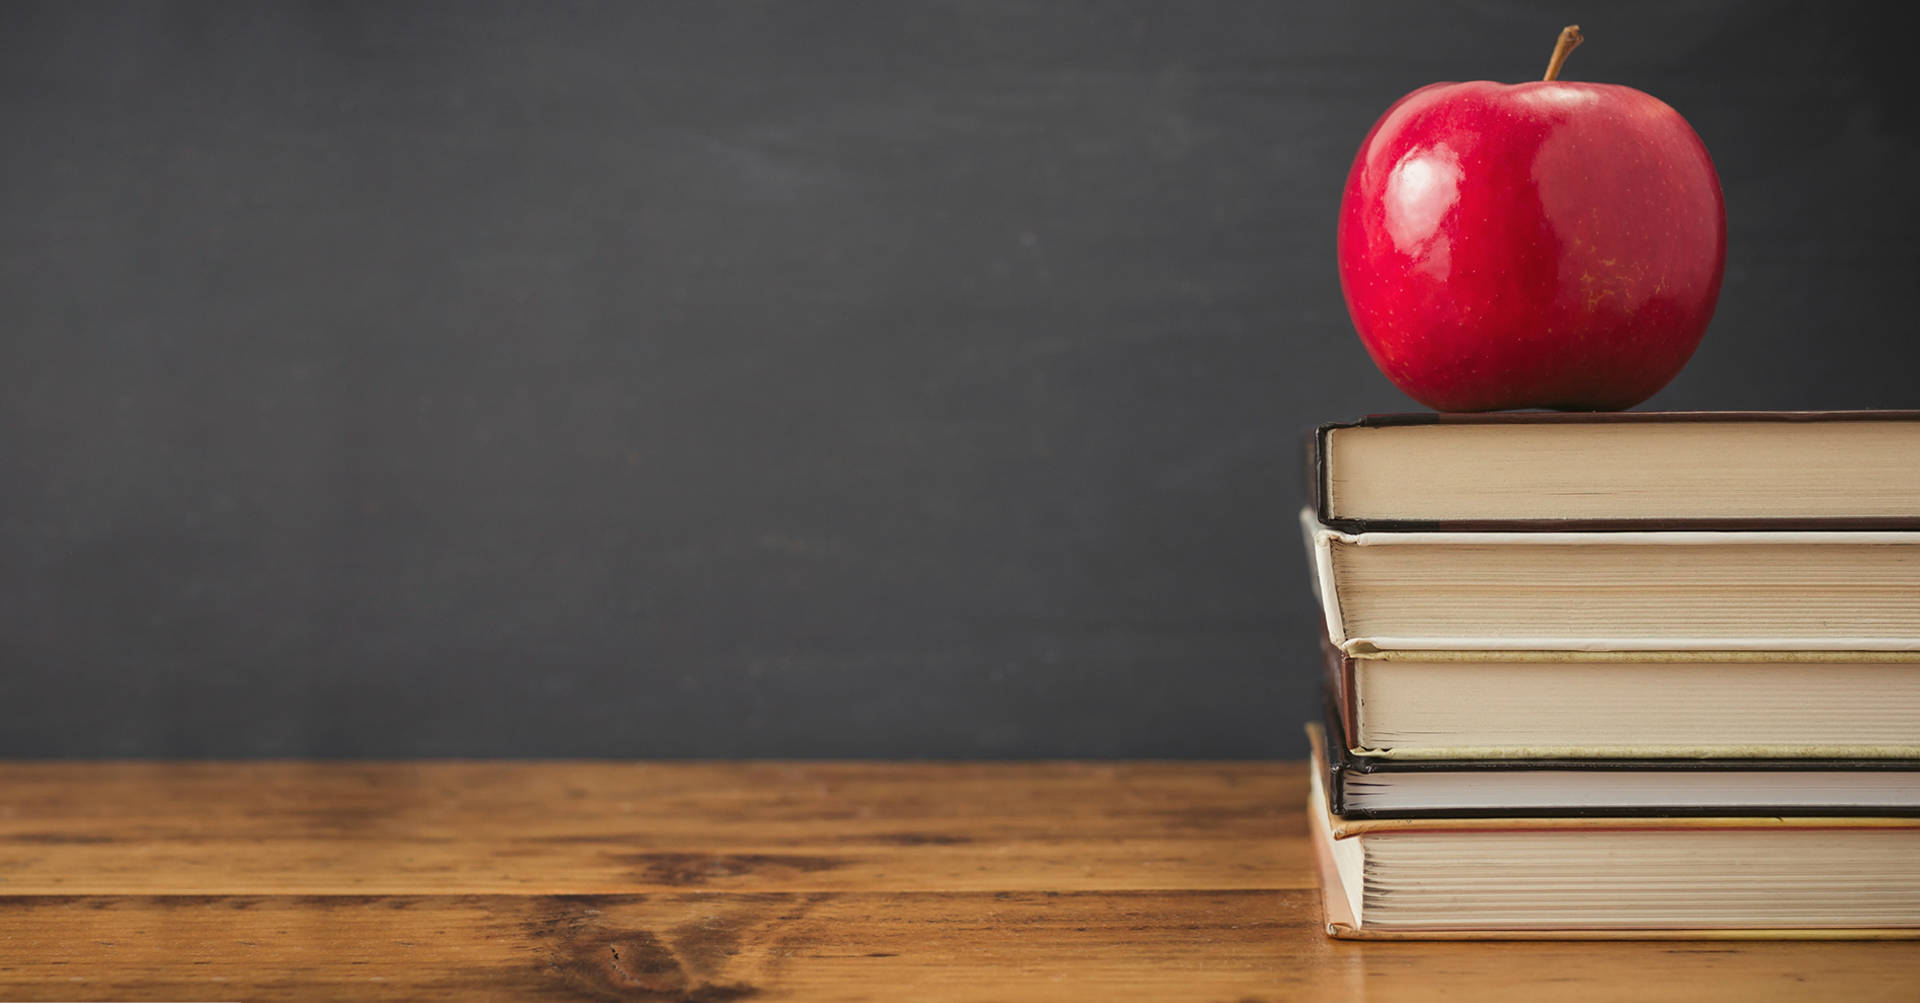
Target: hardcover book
x: 1415, y: 705
x: 1624, y: 470
x: 1849, y: 877
x: 1369, y: 787
x: 1698, y: 590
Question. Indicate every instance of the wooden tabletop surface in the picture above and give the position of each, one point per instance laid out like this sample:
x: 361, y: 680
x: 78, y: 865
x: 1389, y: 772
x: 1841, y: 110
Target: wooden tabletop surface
x: 762, y: 881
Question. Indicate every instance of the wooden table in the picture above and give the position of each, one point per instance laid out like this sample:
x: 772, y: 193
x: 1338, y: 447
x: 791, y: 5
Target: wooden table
x: 763, y: 881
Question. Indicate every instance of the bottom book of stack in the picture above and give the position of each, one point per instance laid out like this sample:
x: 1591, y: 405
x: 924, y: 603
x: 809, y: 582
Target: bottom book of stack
x: 1557, y: 876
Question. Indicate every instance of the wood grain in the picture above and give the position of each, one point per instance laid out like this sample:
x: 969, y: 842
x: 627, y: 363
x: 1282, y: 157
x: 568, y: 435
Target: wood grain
x: 714, y: 882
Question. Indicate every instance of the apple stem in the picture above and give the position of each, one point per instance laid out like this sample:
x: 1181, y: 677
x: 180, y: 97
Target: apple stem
x: 1570, y: 39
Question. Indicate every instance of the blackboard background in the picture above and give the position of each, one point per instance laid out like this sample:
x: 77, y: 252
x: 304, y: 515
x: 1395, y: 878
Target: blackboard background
x: 822, y: 379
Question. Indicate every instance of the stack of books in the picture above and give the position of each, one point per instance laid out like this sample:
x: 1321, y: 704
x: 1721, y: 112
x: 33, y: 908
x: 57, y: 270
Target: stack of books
x: 1619, y: 675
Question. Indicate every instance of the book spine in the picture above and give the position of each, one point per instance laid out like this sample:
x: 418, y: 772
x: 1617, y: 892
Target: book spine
x: 1342, y: 701
x: 1336, y: 778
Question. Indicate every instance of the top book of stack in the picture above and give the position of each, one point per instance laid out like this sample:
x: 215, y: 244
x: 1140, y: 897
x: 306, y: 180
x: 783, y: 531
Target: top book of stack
x: 1642, y: 471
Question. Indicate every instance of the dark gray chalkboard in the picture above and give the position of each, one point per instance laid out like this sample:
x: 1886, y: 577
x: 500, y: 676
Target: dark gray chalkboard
x: 823, y: 379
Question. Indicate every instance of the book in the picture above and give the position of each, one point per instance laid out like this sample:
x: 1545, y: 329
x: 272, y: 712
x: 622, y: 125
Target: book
x: 1414, y: 705
x: 1616, y: 878
x: 1371, y: 787
x: 1691, y: 590
x: 1628, y: 470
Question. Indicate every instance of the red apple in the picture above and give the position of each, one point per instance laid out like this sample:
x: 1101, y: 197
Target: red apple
x: 1546, y: 244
